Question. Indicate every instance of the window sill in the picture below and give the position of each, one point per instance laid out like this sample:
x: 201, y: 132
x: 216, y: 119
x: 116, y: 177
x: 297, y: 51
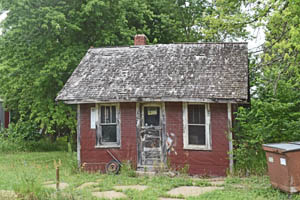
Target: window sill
x: 107, y: 146
x: 197, y: 148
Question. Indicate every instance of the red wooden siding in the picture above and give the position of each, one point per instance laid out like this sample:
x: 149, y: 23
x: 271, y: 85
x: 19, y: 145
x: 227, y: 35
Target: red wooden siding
x: 214, y: 162
x: 7, y: 118
x: 96, y: 159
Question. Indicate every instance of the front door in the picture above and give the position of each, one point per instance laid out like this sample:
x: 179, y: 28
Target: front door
x: 151, y: 136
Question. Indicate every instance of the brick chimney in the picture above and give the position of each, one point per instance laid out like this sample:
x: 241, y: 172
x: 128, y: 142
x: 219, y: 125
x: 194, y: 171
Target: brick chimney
x: 140, y: 39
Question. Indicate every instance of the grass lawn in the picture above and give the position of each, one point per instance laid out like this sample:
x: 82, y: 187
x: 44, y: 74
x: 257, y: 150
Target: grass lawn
x: 25, y: 174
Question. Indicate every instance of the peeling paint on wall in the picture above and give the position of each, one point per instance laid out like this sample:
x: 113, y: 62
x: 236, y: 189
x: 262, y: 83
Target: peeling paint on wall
x: 171, y: 143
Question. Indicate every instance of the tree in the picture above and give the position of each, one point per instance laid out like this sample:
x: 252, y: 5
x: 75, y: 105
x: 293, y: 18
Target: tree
x: 44, y: 40
x: 275, y: 108
x: 42, y: 43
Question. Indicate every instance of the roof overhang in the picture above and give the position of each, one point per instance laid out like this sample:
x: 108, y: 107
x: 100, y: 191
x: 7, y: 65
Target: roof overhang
x: 148, y: 99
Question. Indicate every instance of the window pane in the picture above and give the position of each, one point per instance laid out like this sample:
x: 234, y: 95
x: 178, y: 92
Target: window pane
x: 197, y: 135
x: 102, y: 114
x: 196, y: 114
x: 107, y: 114
x: 113, y: 113
x: 151, y: 115
x: 109, y: 133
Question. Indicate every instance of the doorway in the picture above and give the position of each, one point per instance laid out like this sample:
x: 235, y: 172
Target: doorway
x: 151, y: 135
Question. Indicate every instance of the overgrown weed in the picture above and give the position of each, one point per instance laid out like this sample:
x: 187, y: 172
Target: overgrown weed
x: 127, y: 169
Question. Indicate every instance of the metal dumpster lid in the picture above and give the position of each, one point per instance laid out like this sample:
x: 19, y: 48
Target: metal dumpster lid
x: 298, y: 143
x: 285, y: 147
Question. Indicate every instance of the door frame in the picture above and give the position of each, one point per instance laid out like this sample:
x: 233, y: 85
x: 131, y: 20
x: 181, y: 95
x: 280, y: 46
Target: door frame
x: 139, y: 125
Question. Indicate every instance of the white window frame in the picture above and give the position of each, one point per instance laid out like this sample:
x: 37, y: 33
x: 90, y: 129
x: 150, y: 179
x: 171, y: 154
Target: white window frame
x: 118, y: 123
x: 186, y: 144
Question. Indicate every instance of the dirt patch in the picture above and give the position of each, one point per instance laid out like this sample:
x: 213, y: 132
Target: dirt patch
x: 132, y: 187
x: 208, y: 179
x: 109, y: 195
x: 142, y: 173
x: 85, y: 185
x: 188, y: 191
x: 7, y: 195
x: 215, y: 179
x: 62, y: 185
x: 217, y: 183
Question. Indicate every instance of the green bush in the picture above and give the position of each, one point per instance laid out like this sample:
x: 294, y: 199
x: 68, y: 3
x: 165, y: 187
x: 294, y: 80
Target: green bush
x: 22, y: 130
x: 265, y: 122
x: 11, y: 141
x: 43, y: 145
x: 23, y: 136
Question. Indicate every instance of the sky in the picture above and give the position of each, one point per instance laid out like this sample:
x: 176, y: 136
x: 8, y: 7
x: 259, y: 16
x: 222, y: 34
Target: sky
x: 258, y: 39
x: 2, y: 17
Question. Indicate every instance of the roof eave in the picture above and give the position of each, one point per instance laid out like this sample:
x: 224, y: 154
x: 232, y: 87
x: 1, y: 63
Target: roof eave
x: 148, y: 99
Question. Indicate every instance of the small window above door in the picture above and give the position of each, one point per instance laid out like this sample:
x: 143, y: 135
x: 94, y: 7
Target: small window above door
x: 151, y: 116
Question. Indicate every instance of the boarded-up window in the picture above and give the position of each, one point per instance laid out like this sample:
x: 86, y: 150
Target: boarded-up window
x: 196, y: 124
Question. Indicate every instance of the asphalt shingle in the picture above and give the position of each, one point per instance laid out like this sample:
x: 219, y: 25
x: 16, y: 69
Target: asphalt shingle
x: 201, y: 72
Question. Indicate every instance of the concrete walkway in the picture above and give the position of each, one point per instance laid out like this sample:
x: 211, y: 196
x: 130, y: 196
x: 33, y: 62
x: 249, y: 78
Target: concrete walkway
x: 7, y: 195
x: 109, y: 195
x: 190, y: 191
x: 87, y: 185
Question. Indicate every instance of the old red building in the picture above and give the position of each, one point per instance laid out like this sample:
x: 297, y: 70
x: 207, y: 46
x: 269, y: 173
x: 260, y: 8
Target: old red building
x: 4, y: 116
x: 159, y: 104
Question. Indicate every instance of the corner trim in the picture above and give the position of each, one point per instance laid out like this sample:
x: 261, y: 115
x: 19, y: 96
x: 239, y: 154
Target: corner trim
x: 78, y: 136
x: 229, y: 111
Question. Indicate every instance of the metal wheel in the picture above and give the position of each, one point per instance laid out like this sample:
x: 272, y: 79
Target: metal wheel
x: 112, y: 167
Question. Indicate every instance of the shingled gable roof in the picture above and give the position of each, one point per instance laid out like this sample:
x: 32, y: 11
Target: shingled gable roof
x: 201, y: 72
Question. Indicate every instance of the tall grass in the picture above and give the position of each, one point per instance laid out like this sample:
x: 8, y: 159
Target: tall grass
x: 23, y: 136
x: 27, y: 172
x: 8, y: 144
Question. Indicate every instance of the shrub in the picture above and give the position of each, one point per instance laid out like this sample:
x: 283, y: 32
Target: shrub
x: 23, y: 130
x: 127, y: 169
x: 265, y: 122
x: 184, y: 170
x: 17, y: 143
